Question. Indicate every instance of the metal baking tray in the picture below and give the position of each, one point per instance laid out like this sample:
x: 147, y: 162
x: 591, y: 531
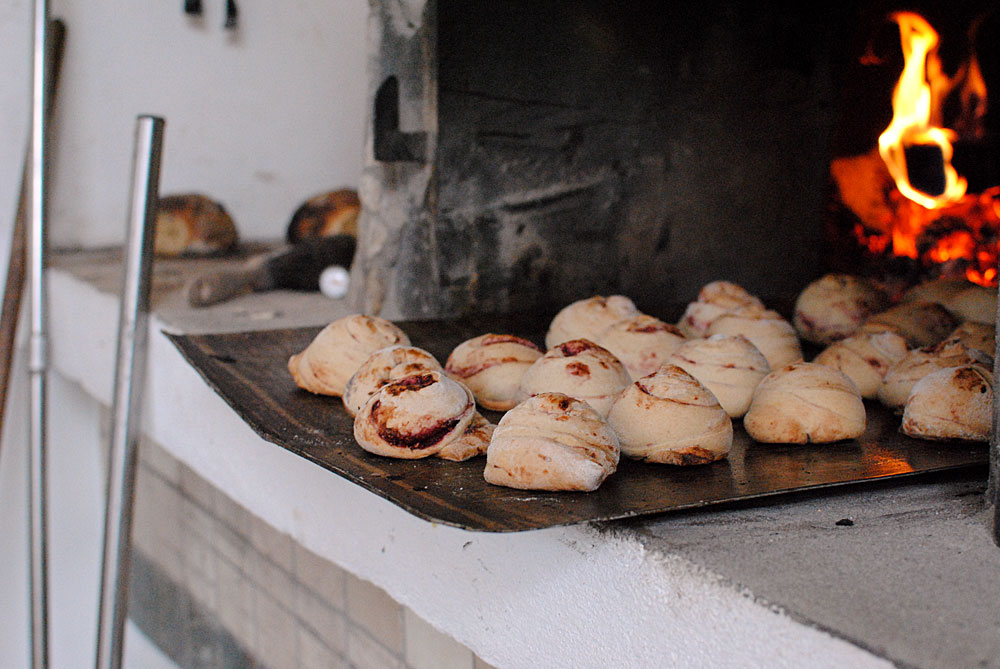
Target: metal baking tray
x: 249, y: 371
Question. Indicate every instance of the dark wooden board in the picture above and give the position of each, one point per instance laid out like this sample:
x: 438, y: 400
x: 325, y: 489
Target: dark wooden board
x: 249, y: 371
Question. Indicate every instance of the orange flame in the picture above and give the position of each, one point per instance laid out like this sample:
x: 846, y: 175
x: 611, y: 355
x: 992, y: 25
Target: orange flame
x: 916, y: 108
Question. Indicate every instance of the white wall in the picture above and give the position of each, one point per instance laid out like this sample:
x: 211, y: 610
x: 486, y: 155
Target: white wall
x: 259, y: 119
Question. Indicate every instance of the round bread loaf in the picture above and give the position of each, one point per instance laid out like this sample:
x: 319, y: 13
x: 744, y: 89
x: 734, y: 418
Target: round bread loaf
x: 975, y: 303
x: 381, y: 367
x: 714, y: 300
x: 865, y: 358
x: 552, y: 442
x: 766, y: 329
x: 642, y: 343
x: 729, y: 366
x: 834, y: 307
x: 578, y: 368
x: 918, y: 363
x: 334, y: 355
x: 670, y: 418
x: 192, y: 224
x: 332, y: 213
x: 414, y: 417
x: 938, y: 290
x: 805, y: 403
x: 920, y: 323
x: 951, y: 403
x: 492, y: 365
x: 586, y: 319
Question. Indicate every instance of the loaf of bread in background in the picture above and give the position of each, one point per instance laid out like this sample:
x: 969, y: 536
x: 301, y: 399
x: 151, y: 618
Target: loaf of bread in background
x: 332, y: 213
x: 192, y: 225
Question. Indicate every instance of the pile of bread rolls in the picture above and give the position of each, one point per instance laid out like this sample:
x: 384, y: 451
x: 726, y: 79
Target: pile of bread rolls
x: 615, y: 381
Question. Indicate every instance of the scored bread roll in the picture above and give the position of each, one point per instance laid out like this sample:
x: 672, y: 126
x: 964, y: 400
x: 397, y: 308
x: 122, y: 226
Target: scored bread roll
x: 805, y: 403
x: 834, y: 307
x: 951, y: 403
x: 586, y: 319
x: 192, y: 224
x: 669, y: 417
x: 918, y: 363
x: 980, y: 336
x: 473, y: 442
x: 642, y: 343
x: 730, y: 366
x: 414, y: 417
x: 865, y: 358
x: 578, y: 368
x: 385, y: 365
x: 766, y: 329
x: 975, y: 303
x: 330, y: 360
x: 327, y: 214
x: 491, y: 366
x: 714, y: 300
x: 921, y: 323
x: 552, y: 442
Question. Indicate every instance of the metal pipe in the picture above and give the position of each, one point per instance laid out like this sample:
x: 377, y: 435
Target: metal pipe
x: 129, y: 380
x: 38, y: 349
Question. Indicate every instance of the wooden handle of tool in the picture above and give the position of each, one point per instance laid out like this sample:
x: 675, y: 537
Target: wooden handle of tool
x: 14, y: 286
x: 221, y: 286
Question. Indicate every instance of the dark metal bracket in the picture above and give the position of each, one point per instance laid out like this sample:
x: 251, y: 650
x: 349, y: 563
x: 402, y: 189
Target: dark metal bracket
x: 390, y: 143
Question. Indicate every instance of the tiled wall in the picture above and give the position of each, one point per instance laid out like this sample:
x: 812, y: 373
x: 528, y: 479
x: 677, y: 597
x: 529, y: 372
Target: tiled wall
x: 245, y: 594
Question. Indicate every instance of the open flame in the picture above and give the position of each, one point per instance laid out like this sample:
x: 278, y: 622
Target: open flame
x: 948, y: 226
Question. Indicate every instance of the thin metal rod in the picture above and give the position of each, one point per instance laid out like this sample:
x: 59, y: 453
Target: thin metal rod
x: 38, y: 350
x: 129, y: 380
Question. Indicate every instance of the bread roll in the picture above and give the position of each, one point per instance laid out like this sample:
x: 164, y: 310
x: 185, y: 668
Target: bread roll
x: 331, y: 359
x: 729, y: 366
x: 668, y: 417
x: 551, y: 442
x: 805, y: 403
x: 921, y: 323
x: 642, y: 343
x: 472, y: 443
x: 586, y: 319
x: 974, y: 303
x: 917, y: 364
x: 415, y: 416
x: 980, y: 336
x: 865, y: 358
x: 951, y: 403
x: 578, y: 368
x: 714, y: 300
x: 835, y: 306
x: 192, y: 224
x: 381, y: 367
x: 767, y: 330
x: 491, y: 366
x: 332, y: 213
x: 938, y: 290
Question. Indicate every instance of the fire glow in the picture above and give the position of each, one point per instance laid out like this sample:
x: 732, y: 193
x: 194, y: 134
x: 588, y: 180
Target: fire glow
x: 900, y: 218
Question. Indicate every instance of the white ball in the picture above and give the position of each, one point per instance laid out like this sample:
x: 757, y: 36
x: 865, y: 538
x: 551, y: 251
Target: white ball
x: 333, y: 282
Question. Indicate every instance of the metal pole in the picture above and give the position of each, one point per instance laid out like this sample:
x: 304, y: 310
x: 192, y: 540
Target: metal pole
x: 38, y: 350
x: 129, y: 380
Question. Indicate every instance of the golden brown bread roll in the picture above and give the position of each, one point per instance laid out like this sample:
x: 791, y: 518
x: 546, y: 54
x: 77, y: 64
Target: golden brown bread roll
x: 385, y: 365
x: 865, y: 358
x: 492, y: 365
x: 578, y: 368
x: 921, y: 323
x: 588, y: 318
x: 918, y: 363
x: 951, y: 403
x: 668, y: 417
x: 642, y: 343
x: 834, y: 307
x: 332, y: 213
x: 474, y: 441
x: 714, y: 300
x: 415, y: 417
x: 192, y: 224
x: 334, y: 355
x: 551, y: 442
x: 805, y: 403
x: 729, y: 366
x: 766, y: 329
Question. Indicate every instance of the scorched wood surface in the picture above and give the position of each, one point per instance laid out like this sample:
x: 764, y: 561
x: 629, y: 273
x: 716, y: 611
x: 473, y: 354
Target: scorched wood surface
x: 249, y: 371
